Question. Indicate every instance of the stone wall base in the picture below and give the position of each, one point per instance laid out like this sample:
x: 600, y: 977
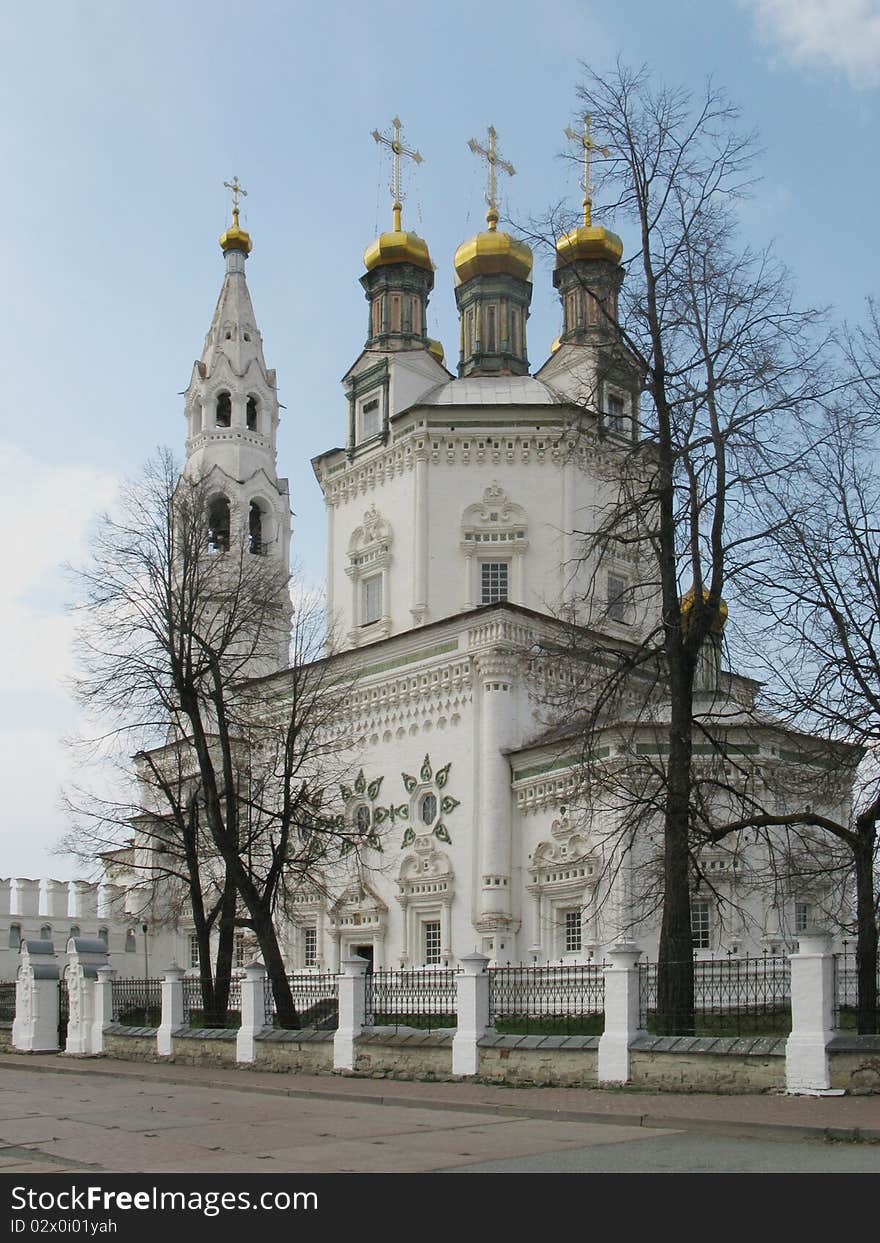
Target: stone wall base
x: 856, y: 1067
x: 560, y: 1068
x: 706, y: 1072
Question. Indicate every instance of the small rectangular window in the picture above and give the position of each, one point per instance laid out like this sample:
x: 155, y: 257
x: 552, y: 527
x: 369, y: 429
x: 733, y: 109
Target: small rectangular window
x: 194, y: 950
x: 616, y: 606
x: 310, y: 947
x: 371, y: 600
x: 238, y: 951
x: 700, y: 925
x: 573, y: 934
x: 494, y: 581
x: 801, y: 916
x: 614, y: 416
x: 370, y: 417
x: 432, y: 942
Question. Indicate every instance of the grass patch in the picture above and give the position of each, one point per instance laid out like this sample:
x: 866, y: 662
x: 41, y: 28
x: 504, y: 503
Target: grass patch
x: 775, y: 1022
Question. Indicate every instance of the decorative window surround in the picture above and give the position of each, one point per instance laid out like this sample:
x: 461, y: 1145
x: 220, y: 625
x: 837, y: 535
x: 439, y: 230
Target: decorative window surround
x: 565, y: 873
x: 369, y: 555
x: 494, y: 530
x: 426, y: 885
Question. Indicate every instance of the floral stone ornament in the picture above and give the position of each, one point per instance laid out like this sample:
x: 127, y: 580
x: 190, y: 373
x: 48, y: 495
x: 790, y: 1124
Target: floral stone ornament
x: 363, y: 815
x: 432, y: 804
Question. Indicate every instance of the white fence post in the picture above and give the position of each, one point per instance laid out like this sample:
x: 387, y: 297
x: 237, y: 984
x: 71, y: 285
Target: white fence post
x: 254, y: 1017
x: 84, y: 956
x: 172, y: 1009
x: 35, y: 1026
x: 352, y: 1011
x: 472, y: 1008
x: 621, y: 1013
x: 102, y: 1010
x: 812, y: 1005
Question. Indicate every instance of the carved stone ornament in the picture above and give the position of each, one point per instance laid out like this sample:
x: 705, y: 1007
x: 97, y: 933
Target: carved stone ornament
x: 430, y: 781
x: 374, y: 530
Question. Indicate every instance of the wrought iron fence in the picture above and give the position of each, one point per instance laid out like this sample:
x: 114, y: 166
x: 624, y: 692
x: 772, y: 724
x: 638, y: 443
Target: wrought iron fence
x: 195, y: 1014
x: 137, y: 1003
x: 423, y: 997
x: 846, y: 989
x: 315, y: 998
x: 732, y: 997
x: 7, y: 1001
x: 550, y: 999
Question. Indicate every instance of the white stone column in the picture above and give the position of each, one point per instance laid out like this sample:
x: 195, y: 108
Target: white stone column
x: 172, y: 1009
x: 420, y: 537
x: 352, y: 1012
x: 84, y: 956
x: 497, y: 721
x: 25, y: 896
x: 621, y: 1013
x: 472, y: 1008
x: 57, y: 895
x: 254, y: 1016
x: 35, y: 1026
x: 102, y: 1008
x: 812, y: 1005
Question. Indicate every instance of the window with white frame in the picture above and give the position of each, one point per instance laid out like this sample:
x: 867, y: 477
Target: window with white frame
x: 572, y: 932
x: 431, y: 937
x: 615, y: 411
x: 801, y: 916
x: 370, y: 418
x: 310, y: 947
x: 238, y: 950
x: 494, y: 581
x: 616, y: 603
x: 193, y: 950
x: 371, y: 599
x: 14, y: 936
x: 700, y: 930
x: 130, y: 941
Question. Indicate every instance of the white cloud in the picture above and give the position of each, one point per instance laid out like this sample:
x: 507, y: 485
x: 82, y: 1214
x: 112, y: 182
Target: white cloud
x: 828, y: 34
x: 45, y: 511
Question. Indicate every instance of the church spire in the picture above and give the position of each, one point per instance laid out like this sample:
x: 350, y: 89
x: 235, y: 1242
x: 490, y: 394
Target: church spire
x: 400, y: 275
x: 492, y: 286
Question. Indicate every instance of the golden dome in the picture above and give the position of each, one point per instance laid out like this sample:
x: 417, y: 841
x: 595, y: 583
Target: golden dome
x: 492, y: 254
x: 588, y: 242
x: 555, y: 344
x: 235, y: 238
x: 435, y: 349
x: 686, y: 604
x: 398, y: 247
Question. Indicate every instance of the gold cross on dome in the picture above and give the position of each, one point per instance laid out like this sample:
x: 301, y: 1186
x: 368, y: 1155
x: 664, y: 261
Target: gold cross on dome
x: 588, y: 147
x: 397, y: 150
x: 490, y: 154
x: 236, y: 189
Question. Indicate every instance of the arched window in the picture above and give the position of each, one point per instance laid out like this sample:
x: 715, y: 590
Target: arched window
x: 14, y: 936
x: 103, y: 935
x: 428, y: 808
x: 362, y: 819
x: 251, y: 414
x: 130, y: 941
x: 196, y: 418
x: 74, y: 930
x: 255, y: 530
x: 46, y: 932
x: 218, y: 524
x: 223, y: 414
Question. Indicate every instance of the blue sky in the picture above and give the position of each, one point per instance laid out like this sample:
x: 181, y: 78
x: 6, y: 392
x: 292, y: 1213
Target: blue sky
x: 122, y: 122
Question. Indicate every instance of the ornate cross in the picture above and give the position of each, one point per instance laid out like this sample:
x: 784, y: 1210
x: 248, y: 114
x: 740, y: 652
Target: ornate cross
x: 588, y: 146
x: 236, y: 189
x: 397, y: 150
x: 494, y: 160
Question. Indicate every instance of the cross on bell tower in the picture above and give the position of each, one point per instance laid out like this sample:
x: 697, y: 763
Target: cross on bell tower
x: 589, y: 147
x: 494, y: 161
x: 398, y: 151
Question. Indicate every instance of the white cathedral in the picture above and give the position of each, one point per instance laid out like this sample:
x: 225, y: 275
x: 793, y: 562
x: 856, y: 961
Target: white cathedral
x: 452, y: 508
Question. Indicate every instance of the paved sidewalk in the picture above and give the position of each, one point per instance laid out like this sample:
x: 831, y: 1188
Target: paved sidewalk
x: 765, y: 1115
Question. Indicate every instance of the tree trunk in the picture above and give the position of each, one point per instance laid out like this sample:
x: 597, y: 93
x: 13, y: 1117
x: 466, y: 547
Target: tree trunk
x: 285, y: 1009
x: 675, y: 966
x: 866, y: 944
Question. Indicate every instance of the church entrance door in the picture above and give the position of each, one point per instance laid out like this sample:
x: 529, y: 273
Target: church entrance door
x: 364, y: 951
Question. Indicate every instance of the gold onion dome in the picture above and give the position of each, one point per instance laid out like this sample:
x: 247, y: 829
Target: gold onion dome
x: 435, y: 349
x: 235, y: 238
x: 398, y: 247
x: 686, y: 605
x: 492, y: 254
x: 588, y: 242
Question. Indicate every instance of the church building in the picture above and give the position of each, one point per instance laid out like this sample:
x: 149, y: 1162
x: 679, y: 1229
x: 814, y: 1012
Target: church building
x: 453, y: 501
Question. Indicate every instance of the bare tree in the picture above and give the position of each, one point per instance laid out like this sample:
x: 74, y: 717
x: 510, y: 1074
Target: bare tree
x: 725, y: 359
x: 179, y: 628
